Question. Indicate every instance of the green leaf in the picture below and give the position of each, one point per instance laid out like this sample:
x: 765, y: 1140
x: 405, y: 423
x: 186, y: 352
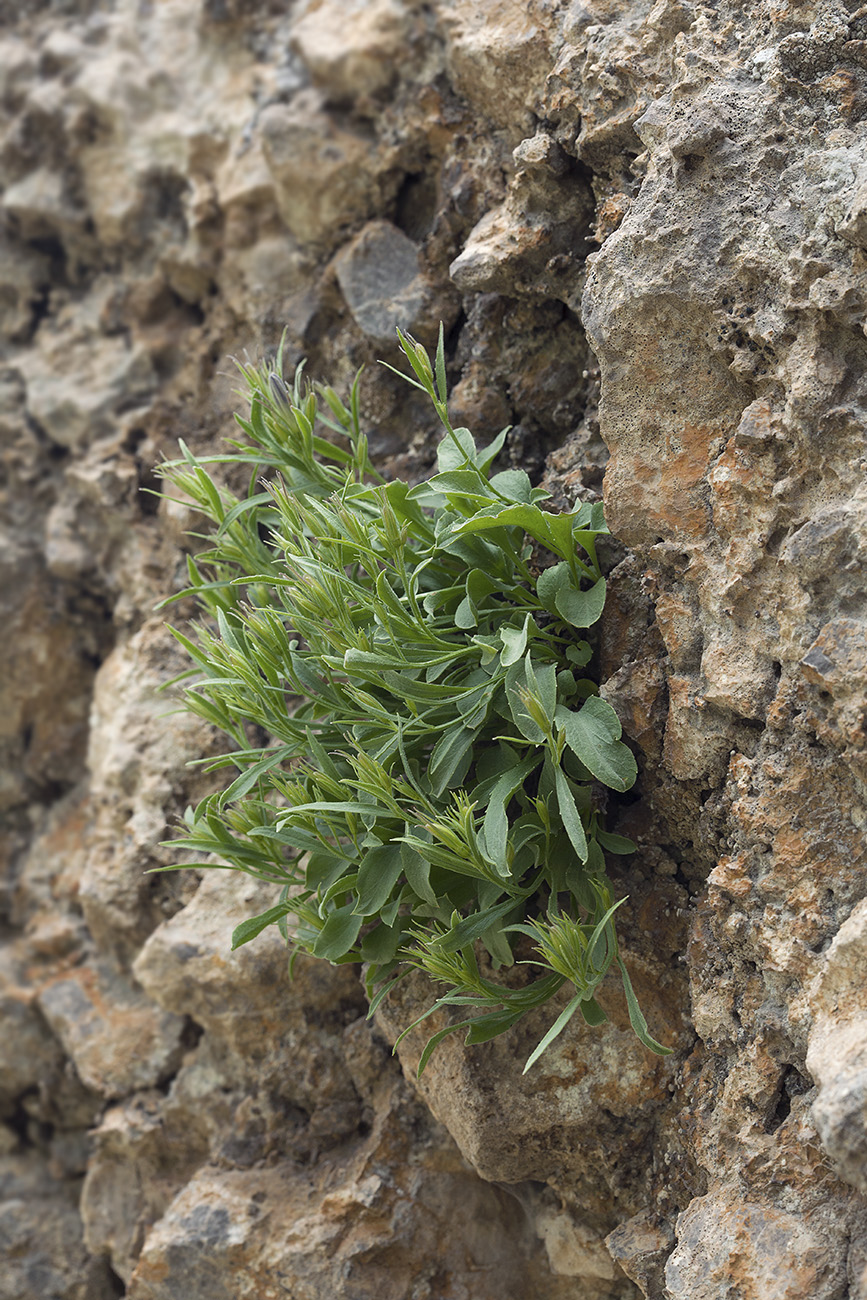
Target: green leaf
x: 323, y: 869
x: 378, y: 874
x: 381, y: 944
x: 592, y: 1012
x: 593, y: 734
x: 456, y: 451
x: 557, y: 1028
x: 480, y: 585
x: 497, y: 945
x: 338, y: 934
x: 636, y: 1015
x: 461, y: 482
x: 474, y: 926
x: 516, y: 682
x: 244, y: 507
x: 451, y: 757
x: 434, y: 1041
x: 580, y: 654
x: 514, y: 640
x: 491, y: 1025
x: 529, y: 518
x: 616, y: 843
x: 514, y: 484
x: 324, y: 806
x: 570, y: 814
x: 251, y: 775
x: 581, y: 608
x: 486, y: 458
x: 466, y: 615
x: 542, y: 682
x: 556, y: 589
x: 496, y: 822
x: 254, y: 925
x: 379, y: 995
x: 440, y: 365
x: 417, y: 872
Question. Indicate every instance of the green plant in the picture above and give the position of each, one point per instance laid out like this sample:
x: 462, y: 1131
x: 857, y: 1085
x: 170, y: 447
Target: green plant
x: 427, y: 781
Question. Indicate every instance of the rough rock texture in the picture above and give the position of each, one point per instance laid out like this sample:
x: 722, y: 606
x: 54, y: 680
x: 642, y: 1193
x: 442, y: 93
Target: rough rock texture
x: 644, y: 226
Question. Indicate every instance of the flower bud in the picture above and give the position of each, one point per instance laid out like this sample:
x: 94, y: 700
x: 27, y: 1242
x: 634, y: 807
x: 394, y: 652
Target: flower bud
x: 279, y: 391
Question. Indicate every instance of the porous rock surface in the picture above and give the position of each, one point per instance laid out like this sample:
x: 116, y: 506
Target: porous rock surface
x: 644, y: 226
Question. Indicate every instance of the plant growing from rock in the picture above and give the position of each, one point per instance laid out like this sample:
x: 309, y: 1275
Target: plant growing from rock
x: 404, y: 690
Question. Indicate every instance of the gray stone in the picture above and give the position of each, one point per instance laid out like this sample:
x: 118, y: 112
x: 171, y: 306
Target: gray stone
x: 379, y: 276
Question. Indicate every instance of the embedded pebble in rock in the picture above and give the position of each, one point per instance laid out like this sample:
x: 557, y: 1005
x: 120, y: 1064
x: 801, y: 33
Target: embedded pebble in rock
x: 384, y: 287
x: 644, y: 227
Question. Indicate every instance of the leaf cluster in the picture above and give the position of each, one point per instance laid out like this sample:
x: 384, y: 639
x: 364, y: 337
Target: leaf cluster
x: 427, y: 786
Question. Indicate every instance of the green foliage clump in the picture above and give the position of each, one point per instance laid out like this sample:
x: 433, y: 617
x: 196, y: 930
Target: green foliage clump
x: 432, y: 742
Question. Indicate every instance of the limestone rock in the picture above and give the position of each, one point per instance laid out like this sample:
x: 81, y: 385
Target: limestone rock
x: 75, y: 388
x: 724, y: 1237
x: 352, y: 47
x: 535, y: 242
x: 837, y: 1051
x: 41, y: 1240
x: 182, y: 182
x: 251, y: 1232
x: 118, y: 1040
x: 498, y: 57
x: 327, y: 177
x: 137, y: 766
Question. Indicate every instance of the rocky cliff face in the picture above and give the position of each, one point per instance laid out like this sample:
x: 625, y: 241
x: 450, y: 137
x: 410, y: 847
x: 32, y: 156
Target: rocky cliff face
x: 645, y: 228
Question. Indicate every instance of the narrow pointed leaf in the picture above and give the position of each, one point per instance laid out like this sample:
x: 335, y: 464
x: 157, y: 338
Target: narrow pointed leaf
x: 636, y: 1015
x: 569, y: 812
x: 557, y: 1028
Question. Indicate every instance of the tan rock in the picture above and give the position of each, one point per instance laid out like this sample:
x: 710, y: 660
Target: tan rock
x: 726, y: 1240
x: 174, y: 192
x: 352, y: 47
x: 837, y: 1051
x: 327, y: 177
x: 74, y: 388
x: 498, y: 56
x: 117, y: 1038
x: 264, y: 1231
x: 531, y: 243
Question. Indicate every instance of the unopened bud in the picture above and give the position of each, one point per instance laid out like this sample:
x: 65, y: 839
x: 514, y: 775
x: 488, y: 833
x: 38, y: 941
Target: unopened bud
x: 279, y: 391
x: 424, y: 359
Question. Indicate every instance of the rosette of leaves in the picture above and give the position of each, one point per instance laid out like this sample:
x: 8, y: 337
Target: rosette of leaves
x: 427, y: 783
